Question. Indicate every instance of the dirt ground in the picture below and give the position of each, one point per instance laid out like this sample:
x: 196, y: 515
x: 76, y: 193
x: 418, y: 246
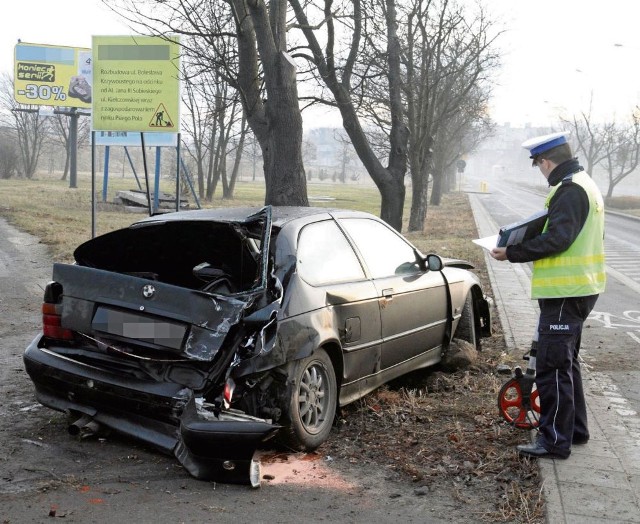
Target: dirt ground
x: 428, y: 448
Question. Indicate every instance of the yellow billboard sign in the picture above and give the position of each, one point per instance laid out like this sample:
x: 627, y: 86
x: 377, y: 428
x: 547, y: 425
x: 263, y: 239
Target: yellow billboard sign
x: 52, y: 75
x: 136, y: 84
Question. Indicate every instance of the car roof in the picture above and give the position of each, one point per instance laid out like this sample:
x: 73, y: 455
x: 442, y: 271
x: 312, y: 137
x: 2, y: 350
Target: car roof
x: 280, y: 214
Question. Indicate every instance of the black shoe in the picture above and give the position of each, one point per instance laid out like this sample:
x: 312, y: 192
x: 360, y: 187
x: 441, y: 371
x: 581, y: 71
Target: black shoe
x: 535, y: 450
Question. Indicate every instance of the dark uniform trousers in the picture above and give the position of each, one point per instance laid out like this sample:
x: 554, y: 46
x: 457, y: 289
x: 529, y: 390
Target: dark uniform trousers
x: 563, y: 412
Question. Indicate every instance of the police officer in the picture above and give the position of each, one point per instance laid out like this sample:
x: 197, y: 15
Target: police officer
x: 568, y: 275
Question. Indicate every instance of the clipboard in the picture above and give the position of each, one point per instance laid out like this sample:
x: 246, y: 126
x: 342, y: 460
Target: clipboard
x: 522, y: 230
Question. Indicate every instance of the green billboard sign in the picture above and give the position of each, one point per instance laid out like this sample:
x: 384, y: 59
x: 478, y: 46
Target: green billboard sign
x: 136, y: 84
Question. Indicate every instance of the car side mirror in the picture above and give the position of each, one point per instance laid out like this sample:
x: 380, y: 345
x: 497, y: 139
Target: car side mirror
x: 434, y: 262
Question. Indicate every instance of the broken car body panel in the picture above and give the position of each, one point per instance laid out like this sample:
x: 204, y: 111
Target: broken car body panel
x: 145, y: 350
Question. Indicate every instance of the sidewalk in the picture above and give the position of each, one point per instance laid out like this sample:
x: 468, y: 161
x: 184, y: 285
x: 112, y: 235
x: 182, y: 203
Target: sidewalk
x: 600, y: 481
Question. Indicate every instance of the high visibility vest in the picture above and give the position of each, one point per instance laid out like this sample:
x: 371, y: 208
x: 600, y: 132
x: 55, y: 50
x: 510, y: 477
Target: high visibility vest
x: 580, y: 270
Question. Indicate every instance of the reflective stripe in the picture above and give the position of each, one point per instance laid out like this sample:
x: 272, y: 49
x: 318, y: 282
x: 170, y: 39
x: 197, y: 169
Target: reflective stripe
x: 578, y: 260
x: 555, y: 413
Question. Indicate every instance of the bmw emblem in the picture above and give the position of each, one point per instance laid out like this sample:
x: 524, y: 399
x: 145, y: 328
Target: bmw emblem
x: 148, y: 291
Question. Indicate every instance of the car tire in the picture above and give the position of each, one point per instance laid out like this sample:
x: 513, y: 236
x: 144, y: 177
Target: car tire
x: 312, y: 402
x: 466, y: 329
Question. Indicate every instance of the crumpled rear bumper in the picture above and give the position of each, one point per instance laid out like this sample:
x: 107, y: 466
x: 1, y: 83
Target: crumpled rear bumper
x: 165, y: 415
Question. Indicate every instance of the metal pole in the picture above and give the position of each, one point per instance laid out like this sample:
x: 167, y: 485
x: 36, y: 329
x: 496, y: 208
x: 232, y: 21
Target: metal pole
x: 156, y: 187
x: 105, y: 180
x: 146, y: 173
x: 93, y: 184
x: 178, y: 174
x: 73, y: 147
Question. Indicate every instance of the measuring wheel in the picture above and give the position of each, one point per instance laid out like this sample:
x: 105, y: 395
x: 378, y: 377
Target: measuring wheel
x: 510, y: 404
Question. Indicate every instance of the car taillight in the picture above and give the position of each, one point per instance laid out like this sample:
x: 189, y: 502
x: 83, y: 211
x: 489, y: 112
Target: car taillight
x: 229, y: 386
x: 51, y: 314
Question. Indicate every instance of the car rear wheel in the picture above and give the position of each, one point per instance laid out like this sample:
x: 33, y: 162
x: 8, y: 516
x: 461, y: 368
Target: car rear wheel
x: 312, y: 404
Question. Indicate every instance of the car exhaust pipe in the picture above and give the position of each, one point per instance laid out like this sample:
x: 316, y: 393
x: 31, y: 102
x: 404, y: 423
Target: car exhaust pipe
x: 76, y: 427
x: 90, y: 429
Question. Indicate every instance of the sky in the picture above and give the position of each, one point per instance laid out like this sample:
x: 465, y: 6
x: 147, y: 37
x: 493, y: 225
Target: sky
x: 557, y: 54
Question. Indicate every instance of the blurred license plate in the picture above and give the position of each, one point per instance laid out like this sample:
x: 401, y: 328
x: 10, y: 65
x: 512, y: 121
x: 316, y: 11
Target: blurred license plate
x: 139, y: 327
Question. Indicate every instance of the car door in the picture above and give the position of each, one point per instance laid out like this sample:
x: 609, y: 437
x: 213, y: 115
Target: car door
x: 327, y: 263
x: 412, y: 301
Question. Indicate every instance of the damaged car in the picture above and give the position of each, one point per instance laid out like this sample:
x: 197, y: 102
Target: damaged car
x: 205, y: 333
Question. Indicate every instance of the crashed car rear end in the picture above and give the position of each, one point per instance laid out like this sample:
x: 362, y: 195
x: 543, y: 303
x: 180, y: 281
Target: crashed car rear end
x: 208, y: 332
x: 142, y: 333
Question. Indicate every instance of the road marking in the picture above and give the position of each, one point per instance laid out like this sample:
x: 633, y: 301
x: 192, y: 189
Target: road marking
x: 634, y: 336
x: 623, y: 279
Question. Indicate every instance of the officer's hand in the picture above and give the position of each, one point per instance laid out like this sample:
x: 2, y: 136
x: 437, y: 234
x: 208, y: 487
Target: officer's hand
x: 499, y: 253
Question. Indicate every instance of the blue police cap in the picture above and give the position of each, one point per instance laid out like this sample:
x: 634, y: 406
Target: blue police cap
x: 540, y: 144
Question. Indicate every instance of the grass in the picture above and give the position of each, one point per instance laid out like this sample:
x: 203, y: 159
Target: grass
x: 625, y: 204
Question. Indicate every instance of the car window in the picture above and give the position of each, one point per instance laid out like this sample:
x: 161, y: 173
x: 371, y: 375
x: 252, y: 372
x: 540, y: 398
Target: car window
x: 325, y: 256
x: 384, y: 251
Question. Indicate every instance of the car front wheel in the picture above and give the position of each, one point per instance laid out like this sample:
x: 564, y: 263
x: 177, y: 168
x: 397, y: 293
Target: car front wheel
x: 467, y: 325
x: 312, y: 404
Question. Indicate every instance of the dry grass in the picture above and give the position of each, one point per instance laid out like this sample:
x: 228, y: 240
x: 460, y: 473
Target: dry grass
x: 61, y: 217
x: 626, y: 204
x: 430, y: 427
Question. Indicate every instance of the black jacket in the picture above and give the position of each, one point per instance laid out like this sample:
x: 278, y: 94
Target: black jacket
x: 568, y: 211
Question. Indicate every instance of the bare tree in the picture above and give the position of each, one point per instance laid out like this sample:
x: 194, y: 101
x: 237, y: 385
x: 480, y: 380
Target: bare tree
x: 196, y: 125
x: 228, y: 187
x: 449, y: 57
x: 622, y: 152
x: 338, y: 69
x: 215, y: 125
x: 226, y: 114
x: 588, y: 136
x: 8, y: 153
x: 29, y: 127
x: 613, y: 146
x: 459, y: 135
x: 257, y: 65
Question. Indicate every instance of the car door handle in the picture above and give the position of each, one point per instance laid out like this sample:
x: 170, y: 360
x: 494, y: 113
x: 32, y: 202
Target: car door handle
x: 388, y: 293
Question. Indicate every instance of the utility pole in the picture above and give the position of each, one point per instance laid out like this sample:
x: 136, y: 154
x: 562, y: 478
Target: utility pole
x: 74, y: 115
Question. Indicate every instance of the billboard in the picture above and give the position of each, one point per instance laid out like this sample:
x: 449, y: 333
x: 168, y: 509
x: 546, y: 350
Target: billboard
x: 136, y: 84
x: 52, y: 75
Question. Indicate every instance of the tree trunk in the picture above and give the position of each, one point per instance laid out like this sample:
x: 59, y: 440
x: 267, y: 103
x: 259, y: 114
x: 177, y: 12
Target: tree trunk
x: 67, y: 161
x: 436, y: 192
x: 238, y: 159
x: 276, y: 122
x: 390, y: 181
x: 419, y: 192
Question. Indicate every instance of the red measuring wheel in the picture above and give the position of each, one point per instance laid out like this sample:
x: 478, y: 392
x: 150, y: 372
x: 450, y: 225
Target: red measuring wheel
x: 512, y: 408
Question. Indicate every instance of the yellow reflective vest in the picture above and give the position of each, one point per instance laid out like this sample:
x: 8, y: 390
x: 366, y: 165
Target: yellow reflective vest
x: 580, y: 270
